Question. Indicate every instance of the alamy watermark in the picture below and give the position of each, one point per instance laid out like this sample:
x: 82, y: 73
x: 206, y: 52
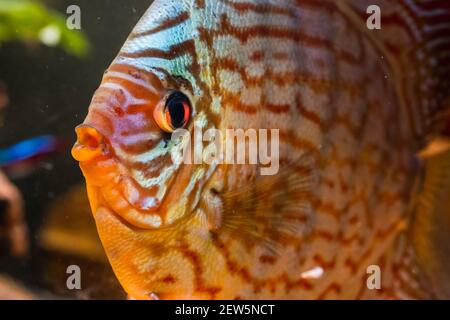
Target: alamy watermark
x: 73, y: 21
x: 234, y: 146
x: 73, y: 281
x: 374, y: 277
x: 374, y: 20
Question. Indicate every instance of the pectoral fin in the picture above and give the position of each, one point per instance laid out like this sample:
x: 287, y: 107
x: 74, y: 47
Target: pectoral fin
x: 272, y: 209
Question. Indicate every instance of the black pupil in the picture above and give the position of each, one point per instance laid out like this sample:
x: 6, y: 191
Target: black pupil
x: 176, y: 109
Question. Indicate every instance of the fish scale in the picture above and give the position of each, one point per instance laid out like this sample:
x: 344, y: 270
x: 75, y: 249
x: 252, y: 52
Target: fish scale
x: 351, y: 119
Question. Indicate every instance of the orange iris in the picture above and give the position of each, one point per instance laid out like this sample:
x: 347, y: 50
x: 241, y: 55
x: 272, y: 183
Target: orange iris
x: 173, y: 113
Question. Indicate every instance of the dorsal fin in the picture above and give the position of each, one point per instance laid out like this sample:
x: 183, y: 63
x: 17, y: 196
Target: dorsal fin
x: 415, y: 35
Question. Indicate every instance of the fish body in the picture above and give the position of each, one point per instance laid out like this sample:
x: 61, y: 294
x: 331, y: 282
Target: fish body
x: 350, y: 118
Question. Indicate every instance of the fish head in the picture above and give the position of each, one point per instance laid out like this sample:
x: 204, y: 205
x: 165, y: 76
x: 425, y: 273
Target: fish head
x: 125, y: 146
x: 142, y: 193
x: 141, y: 190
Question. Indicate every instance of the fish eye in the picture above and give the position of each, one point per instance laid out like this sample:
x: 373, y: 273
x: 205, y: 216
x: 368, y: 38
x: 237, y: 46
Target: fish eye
x: 173, y: 112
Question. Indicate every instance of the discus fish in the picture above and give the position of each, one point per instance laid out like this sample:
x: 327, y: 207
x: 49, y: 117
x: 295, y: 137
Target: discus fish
x: 355, y: 109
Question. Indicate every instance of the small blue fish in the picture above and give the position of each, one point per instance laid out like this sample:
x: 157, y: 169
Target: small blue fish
x: 28, y: 150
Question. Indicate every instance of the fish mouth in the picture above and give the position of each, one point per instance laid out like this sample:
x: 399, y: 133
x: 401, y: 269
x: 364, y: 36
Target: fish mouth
x: 144, y: 208
x: 117, y: 188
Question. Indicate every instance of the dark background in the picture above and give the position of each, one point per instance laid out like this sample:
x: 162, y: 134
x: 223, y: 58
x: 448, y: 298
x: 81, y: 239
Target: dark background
x: 49, y: 93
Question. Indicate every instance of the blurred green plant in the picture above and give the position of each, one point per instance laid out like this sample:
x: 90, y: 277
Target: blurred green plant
x: 32, y: 21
